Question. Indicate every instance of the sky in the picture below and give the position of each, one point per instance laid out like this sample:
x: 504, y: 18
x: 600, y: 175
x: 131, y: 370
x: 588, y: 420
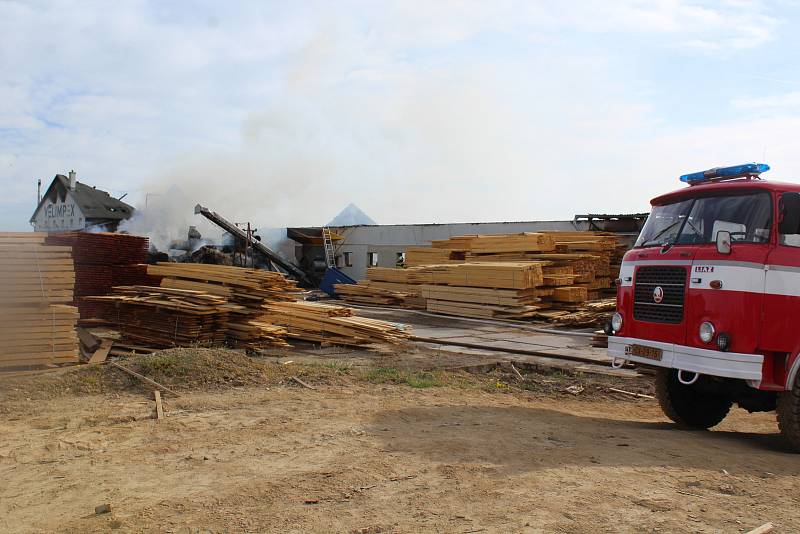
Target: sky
x: 282, y: 113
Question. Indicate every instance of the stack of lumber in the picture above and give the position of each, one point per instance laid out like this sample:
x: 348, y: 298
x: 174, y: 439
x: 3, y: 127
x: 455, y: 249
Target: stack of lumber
x: 248, y: 289
x: 416, y: 256
x: 404, y: 282
x: 103, y: 260
x: 481, y: 302
x: 583, y: 314
x: 410, y: 276
x: 525, y: 242
x: 163, y: 317
x: 511, y: 275
x: 103, y: 248
x: 506, y: 290
x: 368, y: 293
x: 545, y: 275
x: 263, y: 307
x: 325, y: 323
x: 133, y: 275
x: 36, y: 283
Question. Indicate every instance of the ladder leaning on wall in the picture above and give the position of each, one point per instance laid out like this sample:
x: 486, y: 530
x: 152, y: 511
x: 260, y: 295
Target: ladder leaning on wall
x: 327, y: 241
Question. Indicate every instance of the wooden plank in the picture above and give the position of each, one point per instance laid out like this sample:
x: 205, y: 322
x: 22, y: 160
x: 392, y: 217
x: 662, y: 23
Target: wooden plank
x: 143, y: 378
x: 159, y: 406
x: 763, y: 529
x: 101, y: 353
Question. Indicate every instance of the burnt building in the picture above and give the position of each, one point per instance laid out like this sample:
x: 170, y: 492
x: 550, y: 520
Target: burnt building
x: 69, y: 205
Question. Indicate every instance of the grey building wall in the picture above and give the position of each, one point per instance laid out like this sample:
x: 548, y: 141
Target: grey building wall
x: 389, y: 240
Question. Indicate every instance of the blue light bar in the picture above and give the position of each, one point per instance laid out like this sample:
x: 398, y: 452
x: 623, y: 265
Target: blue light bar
x: 725, y: 173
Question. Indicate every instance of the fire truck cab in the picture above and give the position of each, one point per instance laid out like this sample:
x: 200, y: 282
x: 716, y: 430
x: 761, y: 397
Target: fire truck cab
x: 710, y: 297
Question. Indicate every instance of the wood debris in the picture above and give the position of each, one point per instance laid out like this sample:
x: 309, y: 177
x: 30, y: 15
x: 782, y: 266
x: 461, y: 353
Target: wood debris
x: 247, y: 308
x: 159, y: 406
x: 247, y: 289
x: 143, y: 378
x: 314, y: 321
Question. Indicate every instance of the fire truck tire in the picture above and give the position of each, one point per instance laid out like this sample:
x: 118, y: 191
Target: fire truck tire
x: 686, y: 405
x: 789, y: 415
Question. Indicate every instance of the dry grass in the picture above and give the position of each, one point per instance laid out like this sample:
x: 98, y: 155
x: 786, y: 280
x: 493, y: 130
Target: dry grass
x: 191, y: 369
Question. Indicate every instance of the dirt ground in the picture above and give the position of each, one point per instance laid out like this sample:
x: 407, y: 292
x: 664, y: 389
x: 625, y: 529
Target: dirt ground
x: 379, y: 452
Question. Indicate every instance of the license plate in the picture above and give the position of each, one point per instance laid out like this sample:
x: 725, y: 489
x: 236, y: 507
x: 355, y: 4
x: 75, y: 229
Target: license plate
x: 651, y: 353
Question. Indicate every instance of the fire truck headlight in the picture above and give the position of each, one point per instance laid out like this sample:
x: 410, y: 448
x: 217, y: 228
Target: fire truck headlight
x: 706, y: 332
x: 616, y: 322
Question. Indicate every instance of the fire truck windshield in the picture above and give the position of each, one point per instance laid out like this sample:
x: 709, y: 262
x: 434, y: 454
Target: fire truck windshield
x: 748, y: 218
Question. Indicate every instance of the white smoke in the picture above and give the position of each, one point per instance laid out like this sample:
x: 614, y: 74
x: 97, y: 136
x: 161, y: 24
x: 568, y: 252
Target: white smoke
x: 165, y: 219
x: 461, y: 138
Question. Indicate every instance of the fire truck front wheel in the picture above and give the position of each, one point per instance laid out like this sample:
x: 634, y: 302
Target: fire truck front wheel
x: 689, y: 406
x: 789, y: 415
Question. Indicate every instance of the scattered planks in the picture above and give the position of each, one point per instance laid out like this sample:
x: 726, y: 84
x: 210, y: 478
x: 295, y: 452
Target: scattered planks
x: 211, y: 304
x: 143, y: 378
x: 326, y: 323
x: 248, y: 289
x: 36, y: 282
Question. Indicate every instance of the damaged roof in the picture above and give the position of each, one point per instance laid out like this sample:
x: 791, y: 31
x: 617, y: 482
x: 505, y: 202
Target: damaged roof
x: 94, y: 203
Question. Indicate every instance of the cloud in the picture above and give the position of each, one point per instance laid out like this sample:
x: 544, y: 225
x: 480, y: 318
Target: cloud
x: 281, y: 114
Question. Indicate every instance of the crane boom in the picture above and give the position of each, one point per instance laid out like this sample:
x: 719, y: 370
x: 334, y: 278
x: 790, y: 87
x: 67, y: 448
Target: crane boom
x: 241, y: 236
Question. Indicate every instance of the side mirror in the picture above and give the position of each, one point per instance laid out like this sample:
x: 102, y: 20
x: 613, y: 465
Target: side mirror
x: 723, y: 242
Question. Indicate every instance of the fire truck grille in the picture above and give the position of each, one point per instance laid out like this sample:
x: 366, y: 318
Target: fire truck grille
x: 659, y: 306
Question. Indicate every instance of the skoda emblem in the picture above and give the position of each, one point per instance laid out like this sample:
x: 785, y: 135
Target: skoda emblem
x: 658, y: 295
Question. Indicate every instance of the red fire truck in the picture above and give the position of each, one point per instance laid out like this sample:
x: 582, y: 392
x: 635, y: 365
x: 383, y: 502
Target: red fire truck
x: 710, y: 297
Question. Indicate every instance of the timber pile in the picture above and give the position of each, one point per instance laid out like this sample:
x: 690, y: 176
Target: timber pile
x: 36, y: 282
x: 162, y: 317
x: 103, y: 248
x: 416, y: 256
x: 103, y: 260
x: 404, y: 282
x: 326, y: 323
x: 497, y: 289
x: 582, y: 314
x: 248, y: 289
x: 512, y: 275
x: 267, y: 309
x: 133, y: 275
x: 546, y: 275
x: 369, y: 293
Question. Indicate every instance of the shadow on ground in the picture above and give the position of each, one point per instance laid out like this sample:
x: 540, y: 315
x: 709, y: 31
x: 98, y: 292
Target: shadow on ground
x: 518, y: 439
